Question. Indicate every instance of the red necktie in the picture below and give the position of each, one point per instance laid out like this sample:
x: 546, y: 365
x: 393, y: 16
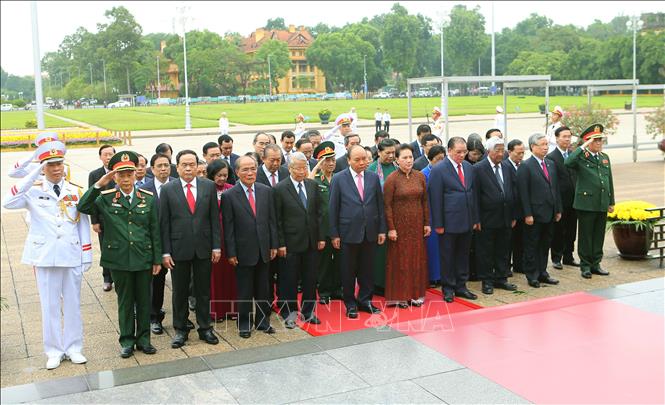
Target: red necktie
x: 460, y: 174
x: 252, y: 203
x: 272, y: 179
x: 190, y: 198
x: 547, y: 175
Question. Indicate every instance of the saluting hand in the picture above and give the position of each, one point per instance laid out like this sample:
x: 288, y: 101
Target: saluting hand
x: 106, y: 179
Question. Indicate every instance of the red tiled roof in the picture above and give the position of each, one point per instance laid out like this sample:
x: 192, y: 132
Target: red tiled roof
x: 297, y: 39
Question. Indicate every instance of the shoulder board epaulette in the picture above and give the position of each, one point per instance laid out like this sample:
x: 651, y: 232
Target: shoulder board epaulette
x: 145, y: 191
x: 110, y: 190
x: 37, y: 183
x: 74, y: 184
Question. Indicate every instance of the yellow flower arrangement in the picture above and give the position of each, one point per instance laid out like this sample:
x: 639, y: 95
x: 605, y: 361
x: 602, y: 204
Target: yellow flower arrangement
x: 632, y: 213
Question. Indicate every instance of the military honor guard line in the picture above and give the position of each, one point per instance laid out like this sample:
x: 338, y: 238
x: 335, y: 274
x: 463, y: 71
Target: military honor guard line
x: 311, y: 214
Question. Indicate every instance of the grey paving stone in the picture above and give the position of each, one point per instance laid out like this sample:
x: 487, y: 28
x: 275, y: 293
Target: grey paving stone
x: 132, y: 375
x: 403, y: 392
x: 392, y: 360
x: 259, y: 354
x: 653, y: 301
x: 356, y: 337
x: 288, y: 379
x: 468, y: 387
x: 191, y: 388
x: 43, y: 389
x: 612, y: 292
x: 653, y: 284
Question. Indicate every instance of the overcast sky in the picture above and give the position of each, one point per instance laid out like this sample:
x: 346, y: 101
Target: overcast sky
x: 60, y: 18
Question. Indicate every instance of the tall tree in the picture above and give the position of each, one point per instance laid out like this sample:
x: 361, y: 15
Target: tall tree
x: 399, y: 39
x: 465, y: 40
x: 280, y: 61
x: 275, y: 24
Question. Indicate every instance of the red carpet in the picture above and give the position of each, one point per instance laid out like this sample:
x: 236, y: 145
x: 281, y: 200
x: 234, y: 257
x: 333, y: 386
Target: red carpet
x: 575, y: 348
x: 333, y: 316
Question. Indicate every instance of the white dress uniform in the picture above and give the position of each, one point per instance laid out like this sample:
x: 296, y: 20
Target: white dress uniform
x: 59, y: 247
x: 551, y: 136
x: 336, y: 137
x: 354, y: 122
x: 223, y: 126
x: 500, y: 122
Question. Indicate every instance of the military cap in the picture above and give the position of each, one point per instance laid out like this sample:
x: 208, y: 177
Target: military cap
x: 499, y: 109
x: 436, y: 111
x: 53, y: 151
x: 125, y: 160
x: 593, y: 132
x: 343, y: 119
x: 558, y: 110
x: 46, y: 137
x: 324, y: 150
x: 300, y: 117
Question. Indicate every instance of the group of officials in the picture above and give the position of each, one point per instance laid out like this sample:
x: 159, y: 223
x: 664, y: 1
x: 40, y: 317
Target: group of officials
x: 260, y: 228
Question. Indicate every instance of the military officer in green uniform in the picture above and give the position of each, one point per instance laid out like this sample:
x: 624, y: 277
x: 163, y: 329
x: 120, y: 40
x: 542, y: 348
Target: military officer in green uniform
x: 330, y: 283
x: 132, y: 246
x: 594, y: 198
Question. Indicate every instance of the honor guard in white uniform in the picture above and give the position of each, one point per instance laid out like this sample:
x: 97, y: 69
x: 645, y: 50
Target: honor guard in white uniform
x: 555, y: 122
x: 58, y: 246
x: 354, y: 119
x: 300, y: 126
x: 439, y: 124
x: 336, y: 135
x: 499, y: 120
x: 223, y: 125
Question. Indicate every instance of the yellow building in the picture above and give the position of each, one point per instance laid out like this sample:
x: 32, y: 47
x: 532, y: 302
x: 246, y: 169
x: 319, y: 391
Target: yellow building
x: 302, y: 77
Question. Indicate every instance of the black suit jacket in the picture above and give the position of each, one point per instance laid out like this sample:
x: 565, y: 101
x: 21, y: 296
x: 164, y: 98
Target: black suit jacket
x: 150, y: 186
x: 540, y: 198
x: 567, y: 178
x: 93, y: 178
x: 341, y: 164
x: 496, y: 205
x: 299, y: 228
x: 421, y: 163
x: 247, y: 237
x: 282, y: 174
x: 186, y: 236
x: 416, y: 149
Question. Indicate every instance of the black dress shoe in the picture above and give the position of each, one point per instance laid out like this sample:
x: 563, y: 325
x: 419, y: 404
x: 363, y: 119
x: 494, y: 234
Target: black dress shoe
x: 156, y: 328
x: 190, y: 325
x: 352, y: 313
x: 488, y: 288
x: 506, y: 286
x: 209, y: 337
x: 245, y: 334
x: 557, y: 265
x: 107, y: 287
x: 534, y: 283
x: 147, y: 349
x: 586, y: 273
x: 290, y: 324
x: 402, y: 305
x: 466, y: 294
x: 269, y: 330
x: 179, y: 340
x: 571, y: 262
x: 126, y: 352
x: 313, y: 320
x: 448, y: 296
x: 324, y: 300
x: 549, y: 280
x: 370, y: 309
x: 600, y: 272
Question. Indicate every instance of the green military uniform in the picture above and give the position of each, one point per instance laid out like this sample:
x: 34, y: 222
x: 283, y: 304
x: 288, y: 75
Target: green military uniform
x: 131, y: 246
x: 330, y: 282
x: 594, y: 193
x: 383, y: 170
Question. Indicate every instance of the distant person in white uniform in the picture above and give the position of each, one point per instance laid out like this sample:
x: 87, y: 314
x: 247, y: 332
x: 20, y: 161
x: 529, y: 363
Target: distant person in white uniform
x: 386, y: 121
x: 439, y: 124
x: 354, y: 117
x: 337, y: 134
x: 58, y: 246
x: 378, y: 117
x: 555, y: 122
x: 223, y: 124
x: 300, y: 126
x: 499, y: 120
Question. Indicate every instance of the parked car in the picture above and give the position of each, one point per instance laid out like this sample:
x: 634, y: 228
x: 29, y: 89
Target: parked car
x: 382, y: 94
x: 120, y: 103
x: 6, y: 107
x: 30, y: 106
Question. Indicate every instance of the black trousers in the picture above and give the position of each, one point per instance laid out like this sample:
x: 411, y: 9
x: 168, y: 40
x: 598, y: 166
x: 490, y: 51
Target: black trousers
x: 537, y: 239
x: 303, y: 266
x: 564, y: 235
x: 106, y: 273
x: 252, y: 282
x: 517, y: 246
x: 377, y: 126
x: 157, y: 295
x: 183, y: 272
x: 386, y: 126
x: 454, y: 252
x: 492, y: 254
x: 357, y: 262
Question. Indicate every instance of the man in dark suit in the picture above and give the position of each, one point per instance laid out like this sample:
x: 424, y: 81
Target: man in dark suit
x: 305, y: 146
x: 300, y: 232
x: 538, y: 187
x: 225, y: 143
x: 454, y: 217
x: 271, y: 170
x: 495, y: 187
x: 191, y: 240
x: 165, y: 149
x: 428, y: 141
x: 563, y: 239
x: 378, y: 137
x: 357, y: 225
x: 161, y: 168
x: 250, y: 238
x: 288, y: 139
x: 516, y: 255
x: 106, y: 152
x: 418, y: 145
x: 342, y: 162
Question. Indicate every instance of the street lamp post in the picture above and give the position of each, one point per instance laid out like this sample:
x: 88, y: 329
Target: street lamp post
x: 365, y: 75
x: 188, y: 118
x: 493, y: 50
x: 104, y: 69
x: 39, y: 96
x: 634, y: 24
x: 159, y: 91
x: 269, y: 79
x: 90, y: 65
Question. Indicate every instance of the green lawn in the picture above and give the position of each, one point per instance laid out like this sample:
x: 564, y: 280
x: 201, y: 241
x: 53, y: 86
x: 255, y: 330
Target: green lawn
x: 203, y: 116
x: 17, y: 119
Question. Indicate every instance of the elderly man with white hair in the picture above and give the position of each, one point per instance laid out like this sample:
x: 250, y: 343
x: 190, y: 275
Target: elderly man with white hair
x: 497, y: 201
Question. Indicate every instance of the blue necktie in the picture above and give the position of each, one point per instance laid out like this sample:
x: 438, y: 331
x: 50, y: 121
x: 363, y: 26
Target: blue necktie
x: 301, y: 194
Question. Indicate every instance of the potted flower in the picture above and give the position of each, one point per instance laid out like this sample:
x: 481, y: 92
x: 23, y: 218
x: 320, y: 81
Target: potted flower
x: 632, y: 228
x: 324, y: 115
x: 656, y: 126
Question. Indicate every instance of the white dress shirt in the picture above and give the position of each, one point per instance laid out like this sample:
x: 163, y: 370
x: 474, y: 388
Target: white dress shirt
x: 492, y: 165
x: 159, y: 184
x: 295, y: 184
x: 455, y: 167
x: 184, y: 186
x: 269, y: 175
